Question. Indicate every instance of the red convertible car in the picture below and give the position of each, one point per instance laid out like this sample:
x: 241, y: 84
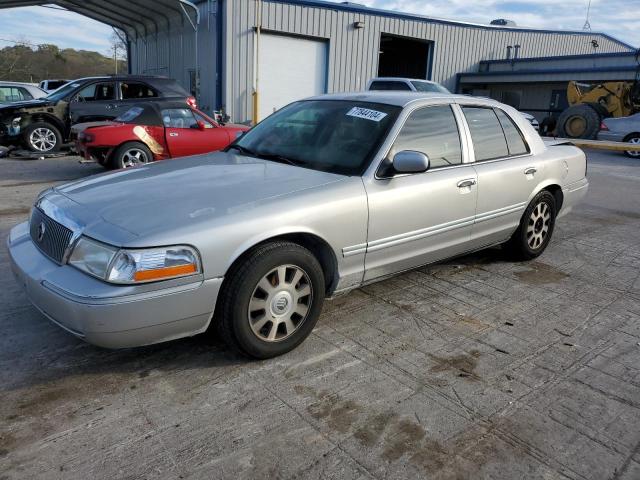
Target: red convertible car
x: 152, y: 131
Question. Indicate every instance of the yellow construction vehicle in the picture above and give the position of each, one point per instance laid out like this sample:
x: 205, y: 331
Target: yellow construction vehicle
x: 590, y: 104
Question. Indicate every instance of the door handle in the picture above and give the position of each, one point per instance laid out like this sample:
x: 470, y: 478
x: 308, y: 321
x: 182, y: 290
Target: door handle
x: 173, y: 134
x: 530, y: 171
x: 111, y: 106
x: 466, y: 183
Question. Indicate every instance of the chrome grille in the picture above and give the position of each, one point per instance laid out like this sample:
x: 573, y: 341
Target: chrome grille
x: 49, y: 236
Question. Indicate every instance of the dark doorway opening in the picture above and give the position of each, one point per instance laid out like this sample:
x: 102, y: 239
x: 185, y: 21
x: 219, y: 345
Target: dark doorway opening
x: 404, y: 57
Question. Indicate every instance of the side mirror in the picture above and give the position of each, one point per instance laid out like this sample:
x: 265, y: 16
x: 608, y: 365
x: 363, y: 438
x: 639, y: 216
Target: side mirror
x: 201, y: 125
x: 409, y: 161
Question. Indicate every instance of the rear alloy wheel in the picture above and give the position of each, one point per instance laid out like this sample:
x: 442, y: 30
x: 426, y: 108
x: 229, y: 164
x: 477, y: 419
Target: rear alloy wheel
x: 535, y: 229
x: 131, y: 154
x: 271, y: 300
x: 635, y: 139
x: 42, y: 137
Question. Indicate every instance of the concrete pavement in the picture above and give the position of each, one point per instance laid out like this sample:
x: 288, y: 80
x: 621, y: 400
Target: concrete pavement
x: 475, y: 368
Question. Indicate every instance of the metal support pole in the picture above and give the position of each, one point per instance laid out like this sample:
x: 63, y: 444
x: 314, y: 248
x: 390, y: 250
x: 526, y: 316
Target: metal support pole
x: 194, y: 25
x: 256, y: 86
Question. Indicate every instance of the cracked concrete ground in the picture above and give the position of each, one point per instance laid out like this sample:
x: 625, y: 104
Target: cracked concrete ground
x: 475, y: 368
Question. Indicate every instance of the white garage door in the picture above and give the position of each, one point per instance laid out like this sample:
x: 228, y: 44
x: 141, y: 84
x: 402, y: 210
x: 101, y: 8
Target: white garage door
x: 290, y: 69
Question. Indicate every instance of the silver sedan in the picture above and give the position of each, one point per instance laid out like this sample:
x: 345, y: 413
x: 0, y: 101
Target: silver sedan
x: 324, y: 196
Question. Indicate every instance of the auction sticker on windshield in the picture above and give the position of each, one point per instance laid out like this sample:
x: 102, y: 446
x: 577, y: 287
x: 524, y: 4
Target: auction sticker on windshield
x: 366, y: 113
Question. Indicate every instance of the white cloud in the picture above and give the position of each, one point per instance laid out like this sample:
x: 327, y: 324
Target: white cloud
x: 618, y: 18
x: 47, y: 25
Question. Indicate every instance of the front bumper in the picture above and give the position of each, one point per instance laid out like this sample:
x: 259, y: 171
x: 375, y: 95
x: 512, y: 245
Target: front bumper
x: 106, y: 315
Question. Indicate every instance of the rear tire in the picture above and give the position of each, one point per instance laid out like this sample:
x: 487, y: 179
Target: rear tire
x: 271, y: 301
x: 579, y: 121
x: 535, y: 229
x: 131, y: 154
x: 633, y: 138
x: 42, y: 137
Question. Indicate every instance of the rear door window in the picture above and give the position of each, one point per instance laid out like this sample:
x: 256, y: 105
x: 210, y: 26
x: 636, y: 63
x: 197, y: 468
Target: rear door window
x: 515, y: 140
x: 434, y: 132
x: 486, y: 132
x: 389, y: 85
x: 96, y: 92
x: 178, y: 118
x: 136, y: 90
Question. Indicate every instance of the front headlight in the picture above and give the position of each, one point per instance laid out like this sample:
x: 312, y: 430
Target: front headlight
x: 92, y: 257
x: 134, y: 266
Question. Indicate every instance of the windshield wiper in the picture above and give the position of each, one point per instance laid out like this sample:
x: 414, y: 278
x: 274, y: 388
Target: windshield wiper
x: 279, y: 158
x: 242, y: 149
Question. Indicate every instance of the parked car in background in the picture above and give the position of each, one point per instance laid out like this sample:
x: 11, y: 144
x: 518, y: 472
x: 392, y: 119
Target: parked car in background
x: 51, y: 85
x: 43, y: 125
x: 405, y: 84
x: 321, y: 197
x: 11, y: 92
x: 623, y: 129
x: 152, y: 131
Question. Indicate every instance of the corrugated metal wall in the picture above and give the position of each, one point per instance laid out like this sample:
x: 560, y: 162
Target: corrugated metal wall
x: 171, y: 52
x: 353, y: 53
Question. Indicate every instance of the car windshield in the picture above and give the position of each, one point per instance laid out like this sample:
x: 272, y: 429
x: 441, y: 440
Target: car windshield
x: 336, y: 136
x: 63, y: 91
x: 429, y: 87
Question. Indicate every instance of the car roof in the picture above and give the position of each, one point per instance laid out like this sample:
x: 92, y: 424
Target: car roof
x: 402, y: 98
x: 17, y: 84
x: 401, y: 79
x: 151, y: 113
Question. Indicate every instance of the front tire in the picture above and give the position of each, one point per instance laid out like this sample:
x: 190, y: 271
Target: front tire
x: 131, y: 154
x: 633, y: 138
x: 536, y: 228
x: 42, y: 137
x: 271, y: 301
x: 579, y: 121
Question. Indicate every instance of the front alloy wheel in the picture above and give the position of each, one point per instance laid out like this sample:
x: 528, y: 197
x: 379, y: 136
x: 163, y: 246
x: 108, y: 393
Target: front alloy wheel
x: 271, y: 299
x: 280, y: 303
x: 42, y: 139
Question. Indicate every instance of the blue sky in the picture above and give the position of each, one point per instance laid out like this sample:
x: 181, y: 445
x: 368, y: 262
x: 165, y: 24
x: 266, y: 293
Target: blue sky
x: 619, y: 18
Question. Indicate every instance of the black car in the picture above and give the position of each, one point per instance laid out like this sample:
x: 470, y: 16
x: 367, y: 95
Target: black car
x: 42, y: 125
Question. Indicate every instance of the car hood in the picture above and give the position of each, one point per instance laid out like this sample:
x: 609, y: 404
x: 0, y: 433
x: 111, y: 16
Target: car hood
x: 38, y: 102
x: 181, y: 193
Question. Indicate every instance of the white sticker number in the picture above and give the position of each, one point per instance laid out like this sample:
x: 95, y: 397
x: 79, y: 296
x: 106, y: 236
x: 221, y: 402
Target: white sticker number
x: 372, y: 115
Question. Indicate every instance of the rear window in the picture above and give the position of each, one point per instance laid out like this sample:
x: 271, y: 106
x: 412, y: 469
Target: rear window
x: 515, y: 141
x: 130, y: 115
x: 136, y: 90
x: 389, y: 85
x: 486, y: 132
x: 429, y: 87
x: 54, y: 84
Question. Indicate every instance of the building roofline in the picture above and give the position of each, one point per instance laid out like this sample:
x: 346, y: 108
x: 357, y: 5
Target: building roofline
x: 350, y: 7
x: 586, y: 56
x: 545, y: 71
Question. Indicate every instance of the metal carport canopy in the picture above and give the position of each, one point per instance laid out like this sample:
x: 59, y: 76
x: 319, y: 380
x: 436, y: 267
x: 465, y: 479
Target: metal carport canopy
x: 137, y: 18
